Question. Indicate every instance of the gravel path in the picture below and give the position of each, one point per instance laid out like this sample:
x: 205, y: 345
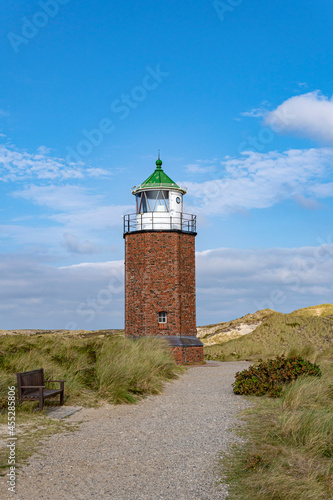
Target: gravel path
x: 165, y: 447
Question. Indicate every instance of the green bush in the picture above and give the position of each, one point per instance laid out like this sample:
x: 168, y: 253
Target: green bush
x: 269, y: 376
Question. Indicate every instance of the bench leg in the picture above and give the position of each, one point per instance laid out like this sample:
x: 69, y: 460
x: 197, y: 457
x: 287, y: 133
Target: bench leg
x: 41, y: 400
x: 62, y: 384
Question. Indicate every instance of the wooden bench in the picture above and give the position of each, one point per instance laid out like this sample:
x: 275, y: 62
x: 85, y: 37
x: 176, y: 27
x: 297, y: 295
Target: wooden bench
x: 31, y: 387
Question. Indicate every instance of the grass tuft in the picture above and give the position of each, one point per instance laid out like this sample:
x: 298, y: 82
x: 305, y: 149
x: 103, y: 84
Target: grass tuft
x: 138, y: 367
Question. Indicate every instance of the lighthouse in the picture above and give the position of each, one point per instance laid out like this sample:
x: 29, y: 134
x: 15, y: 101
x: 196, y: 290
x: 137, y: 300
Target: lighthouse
x: 160, y: 297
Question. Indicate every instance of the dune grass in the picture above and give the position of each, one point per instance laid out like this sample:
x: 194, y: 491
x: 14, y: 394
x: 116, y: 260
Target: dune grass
x: 112, y: 368
x: 278, y: 334
x: 319, y: 310
x: 287, y: 452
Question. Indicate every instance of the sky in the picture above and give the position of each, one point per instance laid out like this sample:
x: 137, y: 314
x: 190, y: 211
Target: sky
x: 237, y: 95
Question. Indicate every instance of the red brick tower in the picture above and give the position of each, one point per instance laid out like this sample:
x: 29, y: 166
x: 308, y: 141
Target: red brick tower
x: 160, y: 267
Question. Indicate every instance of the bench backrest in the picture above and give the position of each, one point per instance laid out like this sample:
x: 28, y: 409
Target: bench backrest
x: 35, y: 377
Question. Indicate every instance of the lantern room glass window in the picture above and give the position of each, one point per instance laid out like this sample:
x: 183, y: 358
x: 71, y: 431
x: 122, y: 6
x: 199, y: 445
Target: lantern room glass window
x: 152, y: 201
x: 162, y: 317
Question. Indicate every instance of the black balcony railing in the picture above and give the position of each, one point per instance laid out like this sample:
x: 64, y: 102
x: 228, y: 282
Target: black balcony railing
x: 160, y: 221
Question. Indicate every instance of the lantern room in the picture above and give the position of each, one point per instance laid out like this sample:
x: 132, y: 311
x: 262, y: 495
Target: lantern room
x: 159, y: 205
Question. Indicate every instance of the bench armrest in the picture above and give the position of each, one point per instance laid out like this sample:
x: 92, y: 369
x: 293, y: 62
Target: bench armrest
x: 61, y: 383
x: 32, y: 386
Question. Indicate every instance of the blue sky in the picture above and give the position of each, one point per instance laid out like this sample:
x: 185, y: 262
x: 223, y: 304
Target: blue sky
x: 236, y: 94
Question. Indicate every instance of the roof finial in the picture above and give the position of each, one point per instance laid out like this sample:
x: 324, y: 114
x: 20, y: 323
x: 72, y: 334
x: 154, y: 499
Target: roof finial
x: 159, y: 161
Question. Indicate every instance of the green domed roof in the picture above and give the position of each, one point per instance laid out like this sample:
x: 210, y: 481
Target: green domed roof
x: 158, y: 179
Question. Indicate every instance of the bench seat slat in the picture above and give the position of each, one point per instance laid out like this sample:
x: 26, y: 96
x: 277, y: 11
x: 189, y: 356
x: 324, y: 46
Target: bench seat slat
x: 46, y: 394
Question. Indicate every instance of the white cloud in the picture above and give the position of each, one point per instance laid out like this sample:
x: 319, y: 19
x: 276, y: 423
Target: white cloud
x: 37, y: 295
x: 202, y: 166
x: 233, y: 282
x: 308, y: 115
x: 101, y: 266
x: 260, y: 180
x: 75, y: 206
x: 254, y: 113
x: 43, y: 150
x: 257, y: 112
x: 303, y: 85
x: 18, y: 165
x: 307, y: 203
x: 98, y: 172
x: 195, y: 168
x: 101, y: 217
x: 74, y: 245
x: 73, y: 219
x: 59, y: 198
x: 230, y: 283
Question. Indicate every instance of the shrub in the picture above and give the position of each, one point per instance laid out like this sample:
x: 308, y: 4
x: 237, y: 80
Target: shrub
x: 269, y: 376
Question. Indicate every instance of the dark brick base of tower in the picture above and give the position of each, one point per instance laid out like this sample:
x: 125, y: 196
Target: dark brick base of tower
x: 187, y: 354
x: 160, y: 278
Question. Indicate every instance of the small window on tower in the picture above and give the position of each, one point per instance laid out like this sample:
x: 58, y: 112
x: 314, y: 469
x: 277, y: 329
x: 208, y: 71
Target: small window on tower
x: 162, y: 317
